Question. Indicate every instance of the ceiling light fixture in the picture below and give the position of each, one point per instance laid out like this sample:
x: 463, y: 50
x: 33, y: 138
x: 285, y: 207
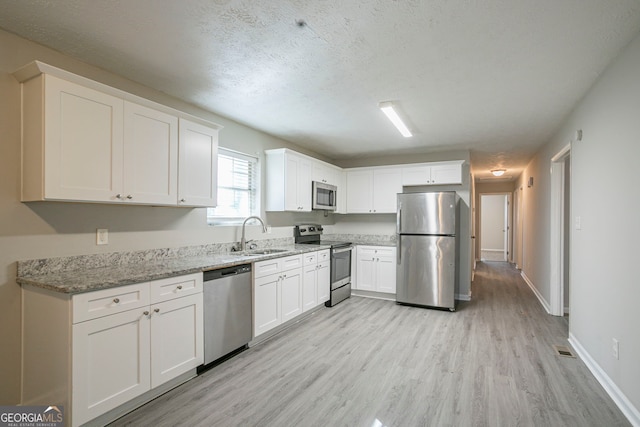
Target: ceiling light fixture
x: 388, y: 109
x: 498, y: 172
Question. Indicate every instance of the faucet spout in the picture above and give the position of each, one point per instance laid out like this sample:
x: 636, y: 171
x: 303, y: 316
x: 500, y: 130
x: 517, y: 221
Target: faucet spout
x: 243, y: 241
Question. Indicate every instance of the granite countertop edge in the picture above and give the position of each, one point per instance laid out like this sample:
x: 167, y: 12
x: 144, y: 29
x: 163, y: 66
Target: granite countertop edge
x: 89, y: 280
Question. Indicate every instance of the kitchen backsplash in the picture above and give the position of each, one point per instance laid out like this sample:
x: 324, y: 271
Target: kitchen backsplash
x: 51, y: 265
x: 36, y: 267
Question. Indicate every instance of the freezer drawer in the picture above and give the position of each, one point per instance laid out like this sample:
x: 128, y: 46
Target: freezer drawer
x: 426, y: 271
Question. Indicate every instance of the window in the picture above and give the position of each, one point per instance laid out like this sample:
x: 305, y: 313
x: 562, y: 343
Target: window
x: 237, y: 188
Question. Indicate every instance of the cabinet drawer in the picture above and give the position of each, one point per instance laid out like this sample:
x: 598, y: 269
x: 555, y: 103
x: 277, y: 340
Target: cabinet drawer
x: 92, y: 305
x: 264, y: 268
x: 376, y: 250
x: 310, y: 258
x: 323, y: 264
x: 175, y: 287
x: 323, y: 255
x: 290, y: 262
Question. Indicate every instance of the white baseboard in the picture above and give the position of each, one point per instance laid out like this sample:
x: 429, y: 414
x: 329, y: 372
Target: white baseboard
x: 618, y: 397
x: 537, y: 293
x: 566, y: 310
x: 491, y: 250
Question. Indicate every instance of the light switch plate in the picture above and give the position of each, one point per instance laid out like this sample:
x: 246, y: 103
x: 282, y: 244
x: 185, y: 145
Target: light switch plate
x: 102, y: 236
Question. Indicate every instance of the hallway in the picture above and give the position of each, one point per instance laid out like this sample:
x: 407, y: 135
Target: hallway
x: 369, y: 361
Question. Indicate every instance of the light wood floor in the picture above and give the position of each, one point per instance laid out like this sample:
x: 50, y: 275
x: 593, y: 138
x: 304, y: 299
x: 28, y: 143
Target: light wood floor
x: 490, y: 363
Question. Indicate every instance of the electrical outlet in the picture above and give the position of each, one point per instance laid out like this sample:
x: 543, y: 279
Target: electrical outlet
x: 616, y: 349
x: 268, y: 229
x: 102, y: 236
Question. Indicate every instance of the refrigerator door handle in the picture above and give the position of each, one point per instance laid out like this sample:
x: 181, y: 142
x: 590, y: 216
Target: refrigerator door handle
x: 398, y: 218
x: 398, y: 251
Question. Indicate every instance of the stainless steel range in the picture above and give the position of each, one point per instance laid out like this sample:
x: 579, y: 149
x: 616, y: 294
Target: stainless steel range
x: 340, y: 260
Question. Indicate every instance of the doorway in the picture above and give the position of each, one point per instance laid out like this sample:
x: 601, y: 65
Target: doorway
x: 560, y: 231
x: 495, y: 226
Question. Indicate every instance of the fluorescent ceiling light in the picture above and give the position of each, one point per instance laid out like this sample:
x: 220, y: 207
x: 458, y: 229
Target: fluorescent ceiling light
x: 387, y: 109
x: 498, y: 172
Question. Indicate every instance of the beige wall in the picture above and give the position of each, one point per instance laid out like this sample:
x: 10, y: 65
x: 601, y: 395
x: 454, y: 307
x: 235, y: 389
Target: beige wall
x: 46, y: 229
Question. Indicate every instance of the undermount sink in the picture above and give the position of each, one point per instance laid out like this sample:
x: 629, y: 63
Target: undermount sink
x: 267, y: 251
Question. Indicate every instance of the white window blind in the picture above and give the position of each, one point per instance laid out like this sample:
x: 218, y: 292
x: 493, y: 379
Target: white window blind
x: 237, y: 188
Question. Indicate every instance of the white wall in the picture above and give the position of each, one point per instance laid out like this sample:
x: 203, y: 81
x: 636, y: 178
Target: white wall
x: 604, y: 192
x: 47, y: 229
x: 492, y: 224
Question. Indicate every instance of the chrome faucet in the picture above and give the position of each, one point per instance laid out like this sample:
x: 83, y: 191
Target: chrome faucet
x: 243, y: 241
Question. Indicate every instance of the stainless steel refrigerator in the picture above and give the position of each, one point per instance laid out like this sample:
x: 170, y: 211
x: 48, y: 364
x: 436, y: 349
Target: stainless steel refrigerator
x: 426, y: 243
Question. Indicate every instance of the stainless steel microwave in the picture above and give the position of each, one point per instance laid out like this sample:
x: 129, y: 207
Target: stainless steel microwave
x: 324, y: 196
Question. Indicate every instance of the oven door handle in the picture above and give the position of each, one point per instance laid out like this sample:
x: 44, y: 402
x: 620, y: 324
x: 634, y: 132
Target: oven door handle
x: 338, y: 251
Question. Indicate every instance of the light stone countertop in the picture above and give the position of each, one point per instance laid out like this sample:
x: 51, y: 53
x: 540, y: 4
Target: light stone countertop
x: 103, y: 277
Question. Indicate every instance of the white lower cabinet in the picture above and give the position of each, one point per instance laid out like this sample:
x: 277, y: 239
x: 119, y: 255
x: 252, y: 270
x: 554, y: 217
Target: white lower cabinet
x: 317, y: 279
x: 376, y: 269
x: 284, y: 288
x: 111, y: 363
x: 120, y: 343
x: 277, y: 292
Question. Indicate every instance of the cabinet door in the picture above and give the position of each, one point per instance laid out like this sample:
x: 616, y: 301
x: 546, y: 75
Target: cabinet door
x: 416, y: 175
x: 309, y: 287
x: 446, y: 174
x: 387, y: 183
x: 323, y: 281
x: 359, y: 191
x: 111, y: 362
x: 386, y: 274
x: 266, y: 303
x: 304, y: 184
x: 297, y: 183
x: 150, y: 155
x: 176, y: 337
x: 291, y: 294
x: 366, y: 270
x: 198, y: 165
x: 83, y: 146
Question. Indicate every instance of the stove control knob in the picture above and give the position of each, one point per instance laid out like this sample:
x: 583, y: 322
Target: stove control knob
x: 303, y: 230
x: 312, y: 229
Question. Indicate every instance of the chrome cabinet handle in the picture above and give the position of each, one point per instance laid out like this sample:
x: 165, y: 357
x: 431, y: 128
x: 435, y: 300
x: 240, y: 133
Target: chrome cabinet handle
x: 182, y: 200
x: 157, y: 310
x: 179, y: 287
x: 119, y: 196
x: 129, y: 196
x: 116, y: 300
x: 146, y: 313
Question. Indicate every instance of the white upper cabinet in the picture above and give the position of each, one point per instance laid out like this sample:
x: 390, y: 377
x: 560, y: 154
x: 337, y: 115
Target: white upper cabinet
x: 359, y: 191
x: 72, y: 142
x: 87, y: 142
x: 432, y: 173
x: 288, y: 181
x: 150, y: 155
x: 373, y: 190
x: 325, y: 173
x: 198, y: 168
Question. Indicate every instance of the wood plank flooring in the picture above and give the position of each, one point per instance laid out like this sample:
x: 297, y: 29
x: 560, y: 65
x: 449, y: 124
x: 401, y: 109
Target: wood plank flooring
x: 370, y: 363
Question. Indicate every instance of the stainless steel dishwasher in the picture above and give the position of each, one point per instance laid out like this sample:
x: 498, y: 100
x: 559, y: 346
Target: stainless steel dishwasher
x: 227, y: 311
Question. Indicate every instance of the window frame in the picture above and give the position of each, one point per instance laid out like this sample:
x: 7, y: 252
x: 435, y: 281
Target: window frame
x: 214, y: 220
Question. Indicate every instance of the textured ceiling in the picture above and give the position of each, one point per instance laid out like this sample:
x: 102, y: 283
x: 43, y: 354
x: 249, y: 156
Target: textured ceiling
x: 496, y: 77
